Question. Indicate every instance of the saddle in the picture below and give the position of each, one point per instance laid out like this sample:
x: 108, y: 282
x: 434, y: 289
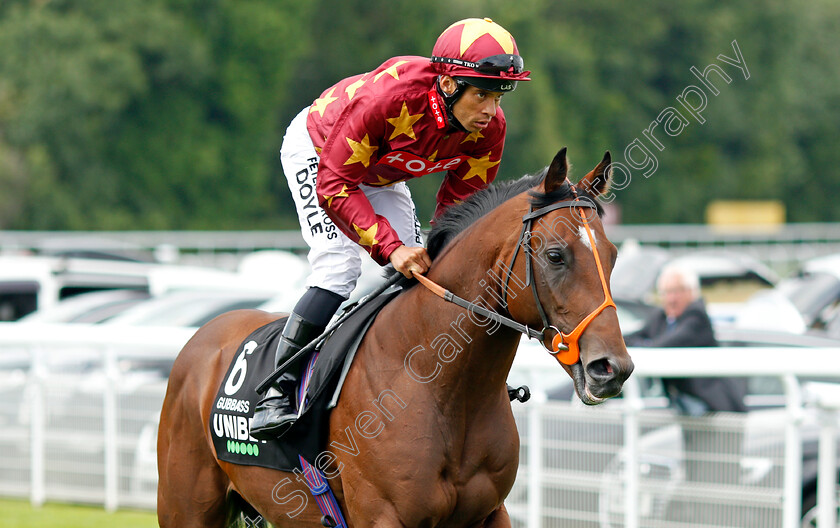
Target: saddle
x: 324, y: 376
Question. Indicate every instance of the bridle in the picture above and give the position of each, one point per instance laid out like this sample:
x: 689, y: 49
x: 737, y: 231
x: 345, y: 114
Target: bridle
x: 564, y: 347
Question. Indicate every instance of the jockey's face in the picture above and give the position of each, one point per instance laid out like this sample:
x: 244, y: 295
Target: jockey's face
x: 476, y: 107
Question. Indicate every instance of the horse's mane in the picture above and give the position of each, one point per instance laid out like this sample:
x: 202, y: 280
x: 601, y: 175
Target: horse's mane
x: 458, y: 218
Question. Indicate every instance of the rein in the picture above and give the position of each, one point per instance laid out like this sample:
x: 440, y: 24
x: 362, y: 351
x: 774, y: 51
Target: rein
x: 564, y: 347
x: 448, y: 296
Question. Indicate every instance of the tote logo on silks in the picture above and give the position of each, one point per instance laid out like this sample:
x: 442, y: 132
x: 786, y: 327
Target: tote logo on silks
x: 412, y: 164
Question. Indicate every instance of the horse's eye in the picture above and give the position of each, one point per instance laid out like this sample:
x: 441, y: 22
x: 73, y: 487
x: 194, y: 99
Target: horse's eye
x: 554, y: 256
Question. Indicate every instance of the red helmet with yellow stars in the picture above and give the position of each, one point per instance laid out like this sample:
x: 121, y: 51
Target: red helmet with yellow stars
x: 479, y: 52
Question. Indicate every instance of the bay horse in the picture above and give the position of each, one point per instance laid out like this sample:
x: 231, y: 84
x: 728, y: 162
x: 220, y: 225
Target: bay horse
x: 423, y: 433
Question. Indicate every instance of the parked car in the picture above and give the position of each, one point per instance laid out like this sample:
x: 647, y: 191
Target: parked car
x: 633, y: 314
x: 30, y: 283
x: 727, y: 279
x: 187, y: 308
x: 808, y: 301
x: 91, y: 307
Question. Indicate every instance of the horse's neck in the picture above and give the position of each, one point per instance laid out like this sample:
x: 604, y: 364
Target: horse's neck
x: 467, y: 351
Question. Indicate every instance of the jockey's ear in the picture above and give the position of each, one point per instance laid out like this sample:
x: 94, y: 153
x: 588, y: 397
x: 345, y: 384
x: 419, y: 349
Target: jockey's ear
x: 447, y: 84
x: 597, y: 182
x: 556, y: 174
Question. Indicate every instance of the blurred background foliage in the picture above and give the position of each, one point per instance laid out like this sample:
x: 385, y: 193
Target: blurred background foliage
x: 168, y: 114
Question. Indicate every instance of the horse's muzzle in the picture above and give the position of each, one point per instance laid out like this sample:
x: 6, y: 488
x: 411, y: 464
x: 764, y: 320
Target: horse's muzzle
x: 601, y: 379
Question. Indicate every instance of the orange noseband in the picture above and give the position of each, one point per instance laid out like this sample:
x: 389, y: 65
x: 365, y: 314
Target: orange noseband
x: 565, y: 347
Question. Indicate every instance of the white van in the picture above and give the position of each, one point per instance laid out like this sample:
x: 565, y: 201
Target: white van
x: 30, y: 283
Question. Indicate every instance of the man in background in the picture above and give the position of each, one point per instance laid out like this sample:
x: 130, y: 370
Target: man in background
x: 711, y: 451
x: 683, y: 322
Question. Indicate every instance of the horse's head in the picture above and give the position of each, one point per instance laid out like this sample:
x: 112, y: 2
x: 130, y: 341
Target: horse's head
x: 568, y: 260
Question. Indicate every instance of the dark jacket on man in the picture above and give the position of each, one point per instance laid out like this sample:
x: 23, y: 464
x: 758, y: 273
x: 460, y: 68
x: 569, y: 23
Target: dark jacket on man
x: 692, y: 329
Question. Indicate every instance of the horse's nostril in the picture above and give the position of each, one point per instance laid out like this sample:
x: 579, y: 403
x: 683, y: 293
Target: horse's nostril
x: 601, y: 370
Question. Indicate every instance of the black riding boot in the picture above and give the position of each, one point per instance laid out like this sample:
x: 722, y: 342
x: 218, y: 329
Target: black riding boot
x: 276, y: 412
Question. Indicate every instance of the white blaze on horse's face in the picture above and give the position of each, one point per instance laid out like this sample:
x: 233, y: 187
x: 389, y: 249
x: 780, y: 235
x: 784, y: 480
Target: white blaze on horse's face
x: 584, y: 237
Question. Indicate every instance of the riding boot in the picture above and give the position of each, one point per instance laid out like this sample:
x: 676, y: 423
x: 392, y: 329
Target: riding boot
x: 276, y: 412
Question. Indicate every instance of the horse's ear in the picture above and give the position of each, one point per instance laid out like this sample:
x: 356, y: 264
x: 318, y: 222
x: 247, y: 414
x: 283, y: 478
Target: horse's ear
x: 597, y: 181
x: 556, y: 174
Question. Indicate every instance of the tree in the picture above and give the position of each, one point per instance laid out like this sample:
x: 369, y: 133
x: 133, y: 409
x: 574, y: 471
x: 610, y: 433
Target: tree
x: 146, y: 114
x: 168, y: 114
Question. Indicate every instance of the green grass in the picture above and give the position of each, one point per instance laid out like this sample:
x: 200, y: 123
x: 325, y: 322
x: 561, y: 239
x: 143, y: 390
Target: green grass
x: 20, y: 514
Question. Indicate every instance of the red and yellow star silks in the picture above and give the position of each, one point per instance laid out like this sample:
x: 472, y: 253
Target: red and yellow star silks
x: 367, y: 237
x: 403, y: 123
x: 362, y: 151
x: 479, y: 167
x: 362, y: 119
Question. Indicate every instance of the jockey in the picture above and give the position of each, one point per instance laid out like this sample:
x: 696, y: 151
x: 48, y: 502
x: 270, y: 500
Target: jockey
x: 347, y: 156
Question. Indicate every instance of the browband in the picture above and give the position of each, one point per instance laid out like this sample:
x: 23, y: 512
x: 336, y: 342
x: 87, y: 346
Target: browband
x: 558, y: 205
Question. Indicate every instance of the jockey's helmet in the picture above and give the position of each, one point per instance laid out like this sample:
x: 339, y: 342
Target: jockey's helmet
x: 479, y: 52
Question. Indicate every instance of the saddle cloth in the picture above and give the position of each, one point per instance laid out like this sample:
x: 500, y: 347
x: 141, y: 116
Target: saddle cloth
x: 236, y: 398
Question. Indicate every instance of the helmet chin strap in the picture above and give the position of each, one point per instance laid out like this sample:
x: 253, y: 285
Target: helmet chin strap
x: 449, y: 101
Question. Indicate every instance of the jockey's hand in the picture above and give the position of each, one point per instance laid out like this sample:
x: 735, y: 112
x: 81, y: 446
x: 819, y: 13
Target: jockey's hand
x: 410, y: 259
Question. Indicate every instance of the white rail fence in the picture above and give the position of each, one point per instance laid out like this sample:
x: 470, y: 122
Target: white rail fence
x: 781, y: 247
x: 634, y: 463
x: 80, y: 411
x: 80, y: 408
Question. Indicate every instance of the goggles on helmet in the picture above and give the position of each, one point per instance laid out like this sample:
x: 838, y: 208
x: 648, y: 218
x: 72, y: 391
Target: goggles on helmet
x: 491, y: 84
x: 499, y: 65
